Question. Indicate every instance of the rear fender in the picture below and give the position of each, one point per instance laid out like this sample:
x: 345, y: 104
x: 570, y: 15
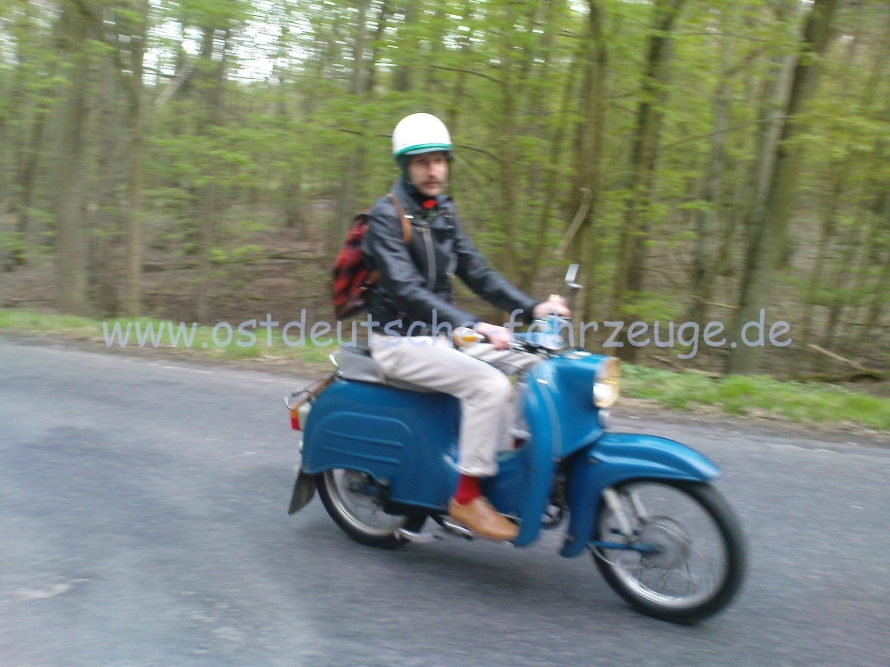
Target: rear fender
x: 407, y: 438
x: 620, y: 457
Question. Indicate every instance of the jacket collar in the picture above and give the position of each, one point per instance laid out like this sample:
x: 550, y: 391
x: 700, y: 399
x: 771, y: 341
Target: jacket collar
x: 443, y: 202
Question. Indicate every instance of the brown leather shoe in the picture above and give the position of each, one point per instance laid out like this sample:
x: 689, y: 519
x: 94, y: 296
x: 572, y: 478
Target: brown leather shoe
x: 479, y: 516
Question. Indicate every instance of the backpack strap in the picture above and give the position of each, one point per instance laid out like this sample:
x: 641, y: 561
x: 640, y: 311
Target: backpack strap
x: 406, y: 226
x: 374, y: 276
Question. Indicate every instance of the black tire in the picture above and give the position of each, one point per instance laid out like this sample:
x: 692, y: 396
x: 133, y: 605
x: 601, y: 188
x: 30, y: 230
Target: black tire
x: 335, y: 499
x: 730, y: 532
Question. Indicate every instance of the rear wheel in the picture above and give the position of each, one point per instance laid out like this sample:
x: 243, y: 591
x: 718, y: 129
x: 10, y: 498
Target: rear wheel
x: 352, y: 498
x: 677, y: 553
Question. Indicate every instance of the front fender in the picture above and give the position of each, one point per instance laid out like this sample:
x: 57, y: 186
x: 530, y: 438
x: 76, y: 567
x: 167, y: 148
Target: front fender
x: 620, y: 457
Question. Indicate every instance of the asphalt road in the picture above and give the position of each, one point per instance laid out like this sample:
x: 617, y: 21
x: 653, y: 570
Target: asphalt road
x: 143, y: 522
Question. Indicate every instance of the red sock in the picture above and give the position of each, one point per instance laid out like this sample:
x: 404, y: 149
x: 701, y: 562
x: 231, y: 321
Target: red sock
x: 467, y: 490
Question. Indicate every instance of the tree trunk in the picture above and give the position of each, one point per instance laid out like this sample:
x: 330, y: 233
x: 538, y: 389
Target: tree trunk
x: 589, y: 161
x: 771, y: 122
x: 881, y: 286
x: 826, y: 234
x: 359, y: 79
x: 539, y: 246
x: 732, y: 221
x: 631, y: 262
x: 210, y: 205
x: 879, y: 210
x: 509, y: 183
x: 877, y: 301
x: 133, y: 230
x: 30, y: 139
x: 292, y: 184
x: 71, y: 241
x: 769, y: 227
x: 432, y: 83
x: 708, y: 219
x: 13, y: 108
x: 838, y: 283
x: 457, y: 95
x: 293, y: 199
x: 861, y: 273
x: 102, y: 256
x: 347, y: 206
x: 26, y: 179
x: 404, y: 71
x: 379, y: 35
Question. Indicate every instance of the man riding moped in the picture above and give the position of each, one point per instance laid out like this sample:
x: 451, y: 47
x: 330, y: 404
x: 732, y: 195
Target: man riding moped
x: 406, y: 436
x: 412, y: 301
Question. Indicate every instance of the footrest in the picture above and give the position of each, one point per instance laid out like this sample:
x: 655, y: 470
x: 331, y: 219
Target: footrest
x: 416, y: 537
x: 453, y: 527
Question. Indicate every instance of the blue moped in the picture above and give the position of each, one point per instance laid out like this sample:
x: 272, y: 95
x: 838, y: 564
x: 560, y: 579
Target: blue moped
x: 383, y: 456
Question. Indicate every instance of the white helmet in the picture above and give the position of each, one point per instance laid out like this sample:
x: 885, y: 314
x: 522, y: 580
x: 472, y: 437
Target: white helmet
x: 420, y: 133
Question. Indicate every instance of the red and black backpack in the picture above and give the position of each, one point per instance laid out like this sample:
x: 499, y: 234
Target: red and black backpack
x: 351, y: 275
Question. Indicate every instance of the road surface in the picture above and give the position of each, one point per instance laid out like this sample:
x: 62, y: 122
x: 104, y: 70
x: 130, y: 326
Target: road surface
x: 143, y: 522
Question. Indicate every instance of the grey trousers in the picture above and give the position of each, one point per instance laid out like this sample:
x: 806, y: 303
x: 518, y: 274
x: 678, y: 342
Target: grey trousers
x: 477, y: 375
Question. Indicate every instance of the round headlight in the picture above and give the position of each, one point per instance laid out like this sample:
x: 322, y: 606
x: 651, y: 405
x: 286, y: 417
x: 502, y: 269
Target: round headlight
x: 605, y: 386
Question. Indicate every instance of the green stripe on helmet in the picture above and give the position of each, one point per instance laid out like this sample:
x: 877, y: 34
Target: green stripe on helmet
x: 423, y: 148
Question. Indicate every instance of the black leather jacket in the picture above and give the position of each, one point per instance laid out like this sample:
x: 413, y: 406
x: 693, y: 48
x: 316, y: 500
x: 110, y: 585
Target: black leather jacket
x: 415, y: 279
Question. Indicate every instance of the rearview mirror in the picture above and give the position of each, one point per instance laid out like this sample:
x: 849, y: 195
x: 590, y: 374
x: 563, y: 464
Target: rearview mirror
x: 571, y: 285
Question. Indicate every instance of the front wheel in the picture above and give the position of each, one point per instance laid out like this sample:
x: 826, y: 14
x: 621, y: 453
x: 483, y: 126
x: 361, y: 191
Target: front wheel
x: 352, y: 500
x: 672, y: 550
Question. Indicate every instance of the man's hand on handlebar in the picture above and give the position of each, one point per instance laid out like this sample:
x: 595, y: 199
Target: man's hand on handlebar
x: 499, y: 337
x: 555, y: 304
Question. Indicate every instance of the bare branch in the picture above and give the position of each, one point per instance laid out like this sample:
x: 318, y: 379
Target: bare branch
x: 489, y: 154
x: 469, y: 71
x: 711, y: 134
x: 174, y: 85
x: 587, y: 199
x: 855, y: 364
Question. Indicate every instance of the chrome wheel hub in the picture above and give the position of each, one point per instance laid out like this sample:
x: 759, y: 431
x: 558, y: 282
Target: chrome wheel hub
x: 670, y: 544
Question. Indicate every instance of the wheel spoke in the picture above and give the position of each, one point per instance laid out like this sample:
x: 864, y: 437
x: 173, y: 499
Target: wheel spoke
x: 689, y: 562
x: 351, y: 493
x: 637, y: 504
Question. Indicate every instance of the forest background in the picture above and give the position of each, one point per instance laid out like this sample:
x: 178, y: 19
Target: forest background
x: 702, y: 160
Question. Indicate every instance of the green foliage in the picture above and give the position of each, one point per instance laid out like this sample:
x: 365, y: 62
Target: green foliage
x: 258, y: 114
x: 12, y: 244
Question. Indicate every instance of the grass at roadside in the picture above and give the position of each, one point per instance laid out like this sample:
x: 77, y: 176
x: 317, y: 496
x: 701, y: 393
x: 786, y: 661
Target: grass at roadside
x: 146, y: 334
x: 757, y: 395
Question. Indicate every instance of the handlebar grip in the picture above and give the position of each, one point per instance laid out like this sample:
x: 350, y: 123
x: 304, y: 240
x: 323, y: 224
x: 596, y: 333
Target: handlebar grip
x: 464, y: 337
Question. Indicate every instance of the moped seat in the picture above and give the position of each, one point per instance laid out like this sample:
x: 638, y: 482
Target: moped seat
x: 357, y: 364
